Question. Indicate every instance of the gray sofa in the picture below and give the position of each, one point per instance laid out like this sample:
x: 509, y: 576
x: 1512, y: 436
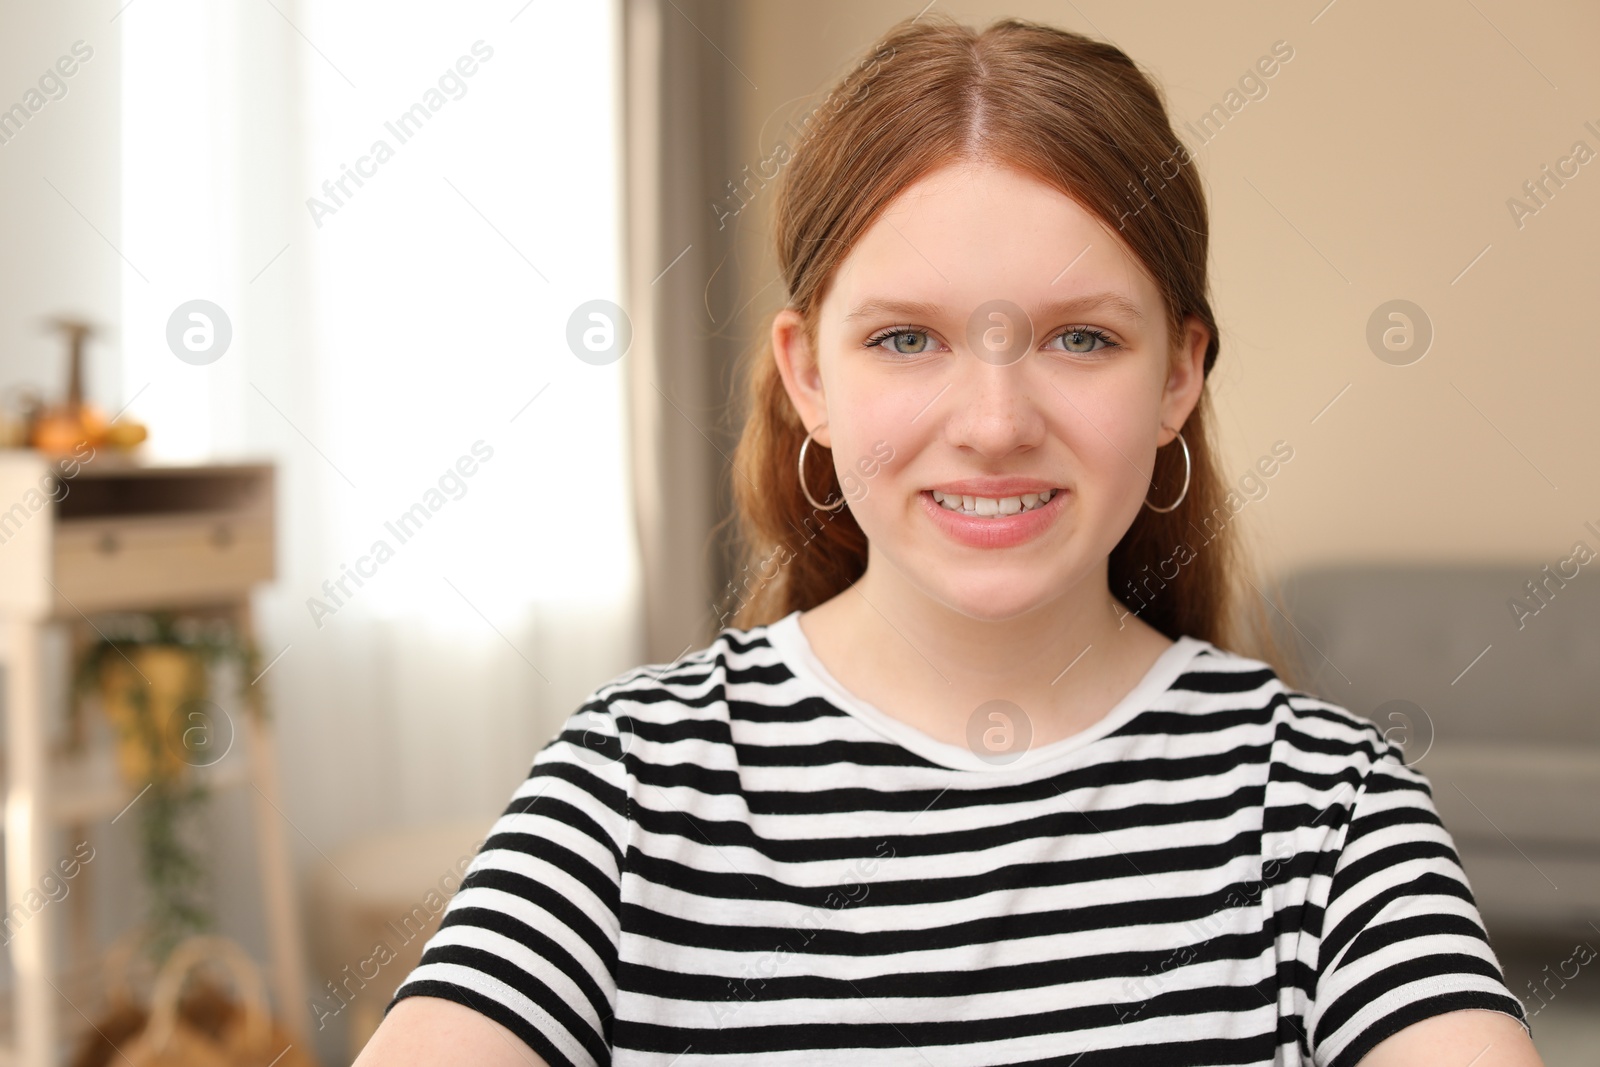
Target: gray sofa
x: 1508, y: 737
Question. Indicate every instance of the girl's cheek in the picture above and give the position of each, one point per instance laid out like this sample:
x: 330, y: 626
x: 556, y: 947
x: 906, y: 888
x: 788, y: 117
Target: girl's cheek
x: 870, y: 470
x: 869, y: 450
x: 1105, y: 416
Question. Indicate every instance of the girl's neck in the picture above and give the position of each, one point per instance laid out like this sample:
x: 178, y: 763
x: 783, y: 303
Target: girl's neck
x: 1065, y: 664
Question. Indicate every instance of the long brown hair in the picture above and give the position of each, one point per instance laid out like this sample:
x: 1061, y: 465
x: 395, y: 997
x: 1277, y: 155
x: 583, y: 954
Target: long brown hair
x: 1079, y: 115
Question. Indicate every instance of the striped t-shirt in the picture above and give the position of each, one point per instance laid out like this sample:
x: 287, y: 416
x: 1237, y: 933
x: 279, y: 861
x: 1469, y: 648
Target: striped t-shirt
x: 732, y: 859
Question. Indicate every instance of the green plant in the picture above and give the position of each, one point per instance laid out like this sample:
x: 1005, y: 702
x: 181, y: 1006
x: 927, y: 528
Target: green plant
x: 153, y: 672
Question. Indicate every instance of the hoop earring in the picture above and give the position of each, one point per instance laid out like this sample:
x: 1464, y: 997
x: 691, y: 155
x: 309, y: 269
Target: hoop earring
x: 1186, y: 473
x: 803, y: 445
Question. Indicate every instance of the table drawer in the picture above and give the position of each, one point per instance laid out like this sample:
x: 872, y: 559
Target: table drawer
x: 110, y: 564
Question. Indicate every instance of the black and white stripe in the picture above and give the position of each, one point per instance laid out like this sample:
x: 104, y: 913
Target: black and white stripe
x: 730, y: 859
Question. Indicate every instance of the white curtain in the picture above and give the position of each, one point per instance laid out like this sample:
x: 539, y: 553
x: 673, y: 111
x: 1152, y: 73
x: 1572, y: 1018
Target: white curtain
x: 399, y: 339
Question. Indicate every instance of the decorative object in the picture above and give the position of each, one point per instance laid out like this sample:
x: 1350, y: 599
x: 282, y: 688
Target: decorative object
x: 58, y: 429
x: 837, y: 504
x: 19, y: 406
x: 131, y: 536
x: 153, y: 675
x: 195, y: 1022
x: 1186, y: 472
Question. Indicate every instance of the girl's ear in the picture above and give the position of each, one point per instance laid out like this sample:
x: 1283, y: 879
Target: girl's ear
x: 801, y: 372
x: 1186, y: 376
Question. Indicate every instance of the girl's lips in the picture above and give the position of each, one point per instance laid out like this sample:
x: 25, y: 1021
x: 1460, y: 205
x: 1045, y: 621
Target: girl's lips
x: 1000, y: 531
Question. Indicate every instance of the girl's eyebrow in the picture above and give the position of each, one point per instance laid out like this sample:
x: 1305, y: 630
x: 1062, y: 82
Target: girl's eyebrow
x: 1106, y: 300
x: 1058, y: 309
x: 916, y: 309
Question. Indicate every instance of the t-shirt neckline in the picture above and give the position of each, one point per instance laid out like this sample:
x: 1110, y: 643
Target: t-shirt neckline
x: 790, y: 641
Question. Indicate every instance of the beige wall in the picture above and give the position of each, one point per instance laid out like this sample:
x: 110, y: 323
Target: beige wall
x: 1377, y: 167
x: 55, y: 261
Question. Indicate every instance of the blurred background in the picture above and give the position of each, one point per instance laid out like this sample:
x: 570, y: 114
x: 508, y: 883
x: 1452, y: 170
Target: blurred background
x: 366, y: 376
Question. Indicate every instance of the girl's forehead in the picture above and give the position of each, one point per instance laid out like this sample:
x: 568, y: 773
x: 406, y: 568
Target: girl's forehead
x: 974, y: 232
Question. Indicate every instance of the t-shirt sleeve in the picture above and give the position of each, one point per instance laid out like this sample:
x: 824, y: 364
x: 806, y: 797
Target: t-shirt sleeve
x: 1402, y: 939
x: 530, y: 939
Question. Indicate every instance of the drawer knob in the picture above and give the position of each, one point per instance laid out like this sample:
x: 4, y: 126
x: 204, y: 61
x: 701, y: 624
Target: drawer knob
x: 108, y: 544
x: 222, y: 535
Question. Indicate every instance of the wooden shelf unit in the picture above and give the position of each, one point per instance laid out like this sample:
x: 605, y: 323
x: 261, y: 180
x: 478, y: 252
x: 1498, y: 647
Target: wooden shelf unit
x: 113, y: 535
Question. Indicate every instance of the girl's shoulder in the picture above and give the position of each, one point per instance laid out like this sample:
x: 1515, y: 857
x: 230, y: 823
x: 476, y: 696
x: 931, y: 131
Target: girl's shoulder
x: 680, y: 695
x: 732, y: 652
x: 1302, y: 722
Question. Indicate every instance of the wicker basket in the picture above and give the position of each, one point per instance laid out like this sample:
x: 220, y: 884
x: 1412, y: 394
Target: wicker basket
x: 197, y: 1023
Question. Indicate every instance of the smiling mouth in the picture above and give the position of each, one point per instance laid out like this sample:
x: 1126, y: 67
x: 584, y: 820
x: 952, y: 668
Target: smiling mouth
x: 992, y: 507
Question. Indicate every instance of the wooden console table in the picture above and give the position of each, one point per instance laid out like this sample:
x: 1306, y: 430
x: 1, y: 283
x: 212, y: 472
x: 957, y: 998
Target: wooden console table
x: 125, y: 536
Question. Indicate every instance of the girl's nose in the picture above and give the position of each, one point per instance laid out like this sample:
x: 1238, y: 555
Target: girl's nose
x: 994, y: 408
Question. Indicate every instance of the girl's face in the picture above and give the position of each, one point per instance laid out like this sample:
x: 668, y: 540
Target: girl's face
x: 997, y: 341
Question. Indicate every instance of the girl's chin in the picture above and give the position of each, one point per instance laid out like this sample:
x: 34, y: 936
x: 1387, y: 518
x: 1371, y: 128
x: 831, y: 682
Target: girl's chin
x: 992, y: 590
x: 992, y: 598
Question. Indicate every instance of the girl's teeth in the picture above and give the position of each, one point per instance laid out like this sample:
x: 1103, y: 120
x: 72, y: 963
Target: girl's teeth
x: 991, y: 507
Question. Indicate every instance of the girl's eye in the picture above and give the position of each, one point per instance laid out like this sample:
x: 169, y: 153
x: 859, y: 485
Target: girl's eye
x: 903, y: 341
x: 1083, y: 340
